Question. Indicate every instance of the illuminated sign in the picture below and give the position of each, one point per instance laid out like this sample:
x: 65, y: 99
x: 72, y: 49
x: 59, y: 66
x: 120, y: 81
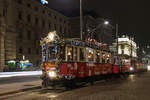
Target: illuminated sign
x: 44, y: 2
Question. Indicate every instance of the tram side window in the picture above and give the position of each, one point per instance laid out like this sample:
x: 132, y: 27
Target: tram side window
x: 70, y: 53
x: 97, y: 56
x: 62, y: 52
x: 108, y: 58
x: 103, y: 57
x: 82, y: 57
x: 75, y: 53
x: 90, y: 55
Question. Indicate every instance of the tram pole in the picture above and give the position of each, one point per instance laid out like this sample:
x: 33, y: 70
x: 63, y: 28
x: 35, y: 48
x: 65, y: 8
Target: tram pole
x: 117, y: 38
x: 81, y: 21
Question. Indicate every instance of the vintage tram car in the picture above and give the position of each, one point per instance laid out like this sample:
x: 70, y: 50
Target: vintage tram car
x: 67, y: 61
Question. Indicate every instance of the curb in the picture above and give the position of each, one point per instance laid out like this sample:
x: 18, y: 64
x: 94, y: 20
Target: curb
x: 20, y: 90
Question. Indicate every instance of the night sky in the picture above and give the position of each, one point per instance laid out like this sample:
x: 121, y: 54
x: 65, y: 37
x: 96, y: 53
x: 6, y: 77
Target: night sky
x: 133, y: 16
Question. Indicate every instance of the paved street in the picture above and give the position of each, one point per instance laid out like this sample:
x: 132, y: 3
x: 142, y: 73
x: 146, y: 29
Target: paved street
x: 17, y: 83
x: 134, y: 87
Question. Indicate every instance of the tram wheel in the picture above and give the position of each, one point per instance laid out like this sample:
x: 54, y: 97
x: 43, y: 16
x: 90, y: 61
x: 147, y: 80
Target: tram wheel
x: 44, y: 84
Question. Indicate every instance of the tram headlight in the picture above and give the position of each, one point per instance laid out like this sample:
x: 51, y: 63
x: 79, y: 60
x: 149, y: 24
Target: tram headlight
x: 51, y: 36
x: 52, y: 74
x: 148, y: 67
x: 131, y: 68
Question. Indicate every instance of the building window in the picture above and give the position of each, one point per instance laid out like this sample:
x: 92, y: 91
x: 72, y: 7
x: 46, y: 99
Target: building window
x: 43, y: 11
x: 4, y: 12
x: 36, y: 21
x: 37, y: 51
x: 28, y: 5
x: 36, y: 36
x: 55, y: 27
x: 20, y: 31
x: 55, y: 17
x: 49, y: 25
x: 61, y: 29
x: 49, y: 13
x: 28, y: 18
x: 60, y: 19
x: 20, y: 1
x: 20, y: 50
x: 29, y: 35
x: 29, y: 50
x: 43, y: 23
x: 20, y: 15
x: 36, y: 8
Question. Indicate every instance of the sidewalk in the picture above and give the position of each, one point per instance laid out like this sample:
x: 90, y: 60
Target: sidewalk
x: 19, y: 87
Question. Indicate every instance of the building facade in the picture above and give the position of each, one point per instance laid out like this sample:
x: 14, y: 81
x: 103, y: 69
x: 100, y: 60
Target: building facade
x: 22, y: 24
x: 127, y: 46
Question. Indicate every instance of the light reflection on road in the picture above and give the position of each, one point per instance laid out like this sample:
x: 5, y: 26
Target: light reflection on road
x: 23, y: 73
x: 132, y: 77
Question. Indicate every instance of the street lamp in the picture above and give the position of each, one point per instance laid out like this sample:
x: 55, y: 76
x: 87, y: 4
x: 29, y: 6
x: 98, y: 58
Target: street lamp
x: 106, y: 22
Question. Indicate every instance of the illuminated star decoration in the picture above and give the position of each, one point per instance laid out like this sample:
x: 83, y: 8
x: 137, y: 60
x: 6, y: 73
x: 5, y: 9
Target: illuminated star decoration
x: 44, y: 2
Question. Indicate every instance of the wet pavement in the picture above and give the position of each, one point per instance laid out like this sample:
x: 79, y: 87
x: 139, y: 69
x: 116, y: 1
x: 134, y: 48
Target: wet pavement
x: 133, y: 87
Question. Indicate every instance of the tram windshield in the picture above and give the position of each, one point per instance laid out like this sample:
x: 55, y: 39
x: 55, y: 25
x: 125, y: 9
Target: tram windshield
x: 52, y: 52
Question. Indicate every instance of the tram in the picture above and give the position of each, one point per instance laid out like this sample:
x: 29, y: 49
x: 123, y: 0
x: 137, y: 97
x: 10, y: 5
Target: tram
x: 67, y: 61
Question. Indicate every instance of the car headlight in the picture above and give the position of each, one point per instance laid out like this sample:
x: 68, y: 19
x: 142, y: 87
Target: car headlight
x: 52, y: 74
x: 131, y: 68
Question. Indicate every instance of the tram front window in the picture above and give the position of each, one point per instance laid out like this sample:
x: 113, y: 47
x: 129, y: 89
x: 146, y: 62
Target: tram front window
x: 52, y: 52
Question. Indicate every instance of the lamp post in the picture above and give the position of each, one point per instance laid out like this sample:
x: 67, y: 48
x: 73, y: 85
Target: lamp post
x: 81, y: 21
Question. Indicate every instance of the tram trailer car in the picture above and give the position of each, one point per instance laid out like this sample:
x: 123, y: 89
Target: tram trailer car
x: 67, y: 61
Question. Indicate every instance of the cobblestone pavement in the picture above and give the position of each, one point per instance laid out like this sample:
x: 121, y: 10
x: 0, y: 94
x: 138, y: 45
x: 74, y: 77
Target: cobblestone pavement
x: 134, y: 87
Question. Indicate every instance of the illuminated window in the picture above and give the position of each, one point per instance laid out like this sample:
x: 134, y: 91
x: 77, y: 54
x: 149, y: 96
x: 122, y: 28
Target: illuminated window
x: 107, y: 58
x: 97, y: 56
x: 70, y: 53
x: 82, y: 56
x: 75, y: 53
x: 90, y: 54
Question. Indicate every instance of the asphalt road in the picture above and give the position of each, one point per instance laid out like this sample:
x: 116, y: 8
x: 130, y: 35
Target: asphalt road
x: 134, y: 87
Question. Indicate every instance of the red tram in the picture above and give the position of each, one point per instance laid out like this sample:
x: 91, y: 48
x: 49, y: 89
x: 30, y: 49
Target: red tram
x: 69, y: 60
